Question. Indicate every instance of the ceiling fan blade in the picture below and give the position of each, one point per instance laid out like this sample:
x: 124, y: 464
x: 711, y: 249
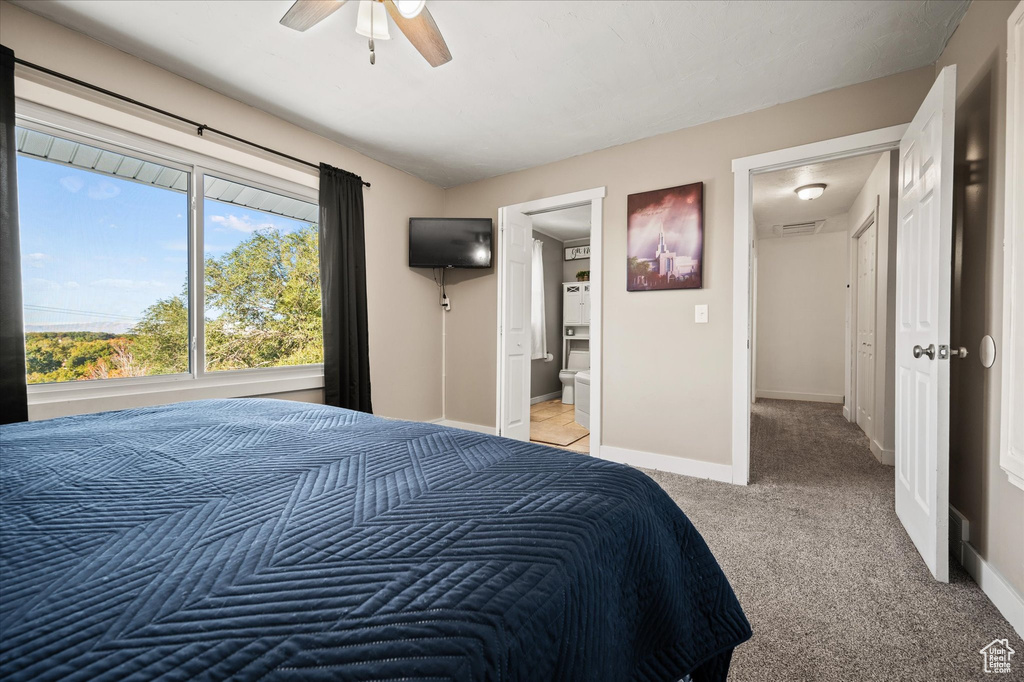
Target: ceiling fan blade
x: 305, y: 14
x: 423, y: 33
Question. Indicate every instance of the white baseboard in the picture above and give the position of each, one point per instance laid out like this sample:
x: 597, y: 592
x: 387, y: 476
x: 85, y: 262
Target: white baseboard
x: 466, y: 426
x: 546, y: 396
x: 846, y: 413
x: 883, y: 455
x: 1002, y: 594
x: 669, y: 463
x: 806, y: 397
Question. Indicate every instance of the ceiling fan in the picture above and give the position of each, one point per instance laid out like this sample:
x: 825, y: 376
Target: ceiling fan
x: 411, y: 16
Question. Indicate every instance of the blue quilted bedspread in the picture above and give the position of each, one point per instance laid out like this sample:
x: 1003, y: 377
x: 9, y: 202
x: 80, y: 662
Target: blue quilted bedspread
x: 265, y: 540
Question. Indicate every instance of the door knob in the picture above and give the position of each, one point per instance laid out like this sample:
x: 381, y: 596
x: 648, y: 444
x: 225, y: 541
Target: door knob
x: 960, y: 352
x: 929, y: 351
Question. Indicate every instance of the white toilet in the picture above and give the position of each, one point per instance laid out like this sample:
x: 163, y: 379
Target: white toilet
x: 578, y: 360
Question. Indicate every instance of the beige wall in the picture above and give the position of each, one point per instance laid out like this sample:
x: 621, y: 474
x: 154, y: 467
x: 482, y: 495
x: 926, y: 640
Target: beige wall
x: 880, y: 191
x: 544, y: 375
x: 666, y: 380
x: 404, y: 318
x: 801, y: 317
x: 978, y: 486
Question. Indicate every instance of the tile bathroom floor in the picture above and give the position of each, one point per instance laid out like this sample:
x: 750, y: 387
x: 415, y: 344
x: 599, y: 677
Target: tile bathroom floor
x: 553, y: 424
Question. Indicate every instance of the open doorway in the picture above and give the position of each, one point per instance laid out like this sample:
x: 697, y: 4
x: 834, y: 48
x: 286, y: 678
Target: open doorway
x: 560, y: 325
x: 822, y: 287
x: 919, y: 271
x: 549, y: 321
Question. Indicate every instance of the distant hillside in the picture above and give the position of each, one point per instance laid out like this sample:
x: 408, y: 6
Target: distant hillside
x: 90, y: 326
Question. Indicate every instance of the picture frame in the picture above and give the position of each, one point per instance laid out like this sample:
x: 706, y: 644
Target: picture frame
x: 577, y: 252
x: 665, y: 239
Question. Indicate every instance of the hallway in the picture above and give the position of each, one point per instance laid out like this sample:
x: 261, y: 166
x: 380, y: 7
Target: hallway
x: 833, y: 587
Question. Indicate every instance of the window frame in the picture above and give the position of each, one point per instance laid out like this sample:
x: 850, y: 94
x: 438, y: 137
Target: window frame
x: 196, y: 383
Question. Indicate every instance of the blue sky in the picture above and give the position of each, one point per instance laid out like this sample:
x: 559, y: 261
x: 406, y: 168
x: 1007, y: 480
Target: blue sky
x: 98, y: 250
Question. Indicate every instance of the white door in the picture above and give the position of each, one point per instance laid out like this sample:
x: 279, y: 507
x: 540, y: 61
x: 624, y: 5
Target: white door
x: 923, y: 254
x: 585, y: 305
x: 866, y: 330
x: 516, y: 245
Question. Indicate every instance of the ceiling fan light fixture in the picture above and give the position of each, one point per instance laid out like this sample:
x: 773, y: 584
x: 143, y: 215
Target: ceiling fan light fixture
x: 809, y: 192
x: 410, y: 8
x: 372, y: 21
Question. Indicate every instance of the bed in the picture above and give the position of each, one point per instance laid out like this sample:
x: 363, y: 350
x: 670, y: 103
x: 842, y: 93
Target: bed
x: 264, y: 540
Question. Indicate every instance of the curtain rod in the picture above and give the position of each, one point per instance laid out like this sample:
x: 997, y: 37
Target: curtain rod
x: 200, y: 127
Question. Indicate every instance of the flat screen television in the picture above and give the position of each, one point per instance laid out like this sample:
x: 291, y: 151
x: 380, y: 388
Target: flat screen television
x: 450, y: 242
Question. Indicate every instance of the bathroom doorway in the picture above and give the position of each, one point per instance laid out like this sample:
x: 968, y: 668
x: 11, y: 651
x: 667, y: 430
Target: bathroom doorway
x: 549, y: 321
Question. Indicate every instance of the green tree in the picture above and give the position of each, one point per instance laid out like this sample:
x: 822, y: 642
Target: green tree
x: 160, y: 338
x: 263, y: 302
x: 65, y: 356
x: 638, y: 270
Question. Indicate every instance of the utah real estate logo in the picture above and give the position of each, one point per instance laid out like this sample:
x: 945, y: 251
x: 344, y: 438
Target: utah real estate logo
x: 997, y: 656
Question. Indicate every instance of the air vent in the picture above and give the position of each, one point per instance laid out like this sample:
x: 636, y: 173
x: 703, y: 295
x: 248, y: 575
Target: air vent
x: 798, y: 229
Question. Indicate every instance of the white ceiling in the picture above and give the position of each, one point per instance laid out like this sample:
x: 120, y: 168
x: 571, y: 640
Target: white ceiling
x: 530, y: 82
x: 565, y: 224
x: 775, y: 202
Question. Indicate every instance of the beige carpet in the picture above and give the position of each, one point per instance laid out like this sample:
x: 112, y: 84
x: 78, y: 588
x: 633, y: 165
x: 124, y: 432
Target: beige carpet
x: 830, y: 582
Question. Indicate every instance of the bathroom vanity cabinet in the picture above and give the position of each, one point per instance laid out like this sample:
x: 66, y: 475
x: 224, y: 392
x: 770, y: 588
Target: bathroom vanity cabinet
x: 576, y: 303
x: 575, y: 317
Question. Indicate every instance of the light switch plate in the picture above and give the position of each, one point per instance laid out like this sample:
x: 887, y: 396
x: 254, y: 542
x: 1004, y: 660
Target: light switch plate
x: 700, y: 313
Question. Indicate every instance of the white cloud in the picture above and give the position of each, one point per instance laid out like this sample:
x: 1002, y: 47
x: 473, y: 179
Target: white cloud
x: 37, y: 260
x: 243, y: 224
x: 71, y: 284
x: 72, y: 183
x: 103, y: 189
x: 130, y: 284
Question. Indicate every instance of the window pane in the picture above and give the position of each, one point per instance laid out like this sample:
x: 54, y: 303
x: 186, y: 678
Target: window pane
x: 104, y: 246
x: 262, y: 278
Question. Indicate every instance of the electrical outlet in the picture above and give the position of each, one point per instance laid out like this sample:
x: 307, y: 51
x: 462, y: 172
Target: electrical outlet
x: 700, y: 313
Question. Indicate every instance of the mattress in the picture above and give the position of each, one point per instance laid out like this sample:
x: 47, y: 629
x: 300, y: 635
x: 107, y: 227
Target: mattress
x: 269, y: 540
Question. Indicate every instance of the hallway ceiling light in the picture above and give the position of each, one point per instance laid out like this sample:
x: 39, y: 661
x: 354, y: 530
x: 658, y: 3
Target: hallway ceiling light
x: 808, y: 192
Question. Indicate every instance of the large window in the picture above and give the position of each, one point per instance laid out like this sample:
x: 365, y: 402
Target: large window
x: 104, y: 262
x: 262, y: 278
x: 114, y: 287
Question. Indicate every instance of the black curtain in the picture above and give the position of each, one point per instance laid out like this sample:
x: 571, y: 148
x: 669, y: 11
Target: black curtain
x: 13, y: 394
x: 343, y: 290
